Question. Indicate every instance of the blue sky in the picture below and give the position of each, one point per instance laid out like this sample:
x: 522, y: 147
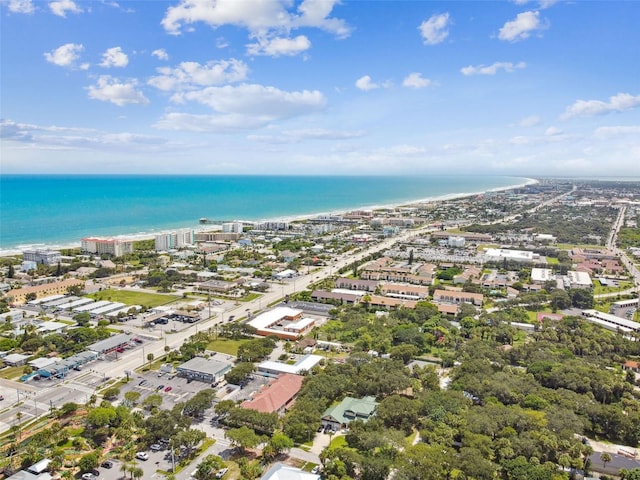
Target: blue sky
x: 544, y: 87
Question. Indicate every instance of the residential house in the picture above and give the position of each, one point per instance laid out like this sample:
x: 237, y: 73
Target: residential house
x: 349, y: 409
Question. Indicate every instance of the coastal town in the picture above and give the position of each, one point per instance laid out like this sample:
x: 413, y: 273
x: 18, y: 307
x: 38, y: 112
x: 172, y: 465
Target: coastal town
x: 492, y: 336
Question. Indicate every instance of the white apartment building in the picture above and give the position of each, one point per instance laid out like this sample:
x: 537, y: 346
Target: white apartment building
x: 172, y: 240
x: 42, y: 256
x: 232, y: 227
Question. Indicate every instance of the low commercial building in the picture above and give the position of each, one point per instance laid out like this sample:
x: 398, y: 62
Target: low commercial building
x: 611, y: 322
x: 273, y: 369
x: 278, y: 396
x: 339, y: 416
x: 15, y: 359
x: 280, y: 471
x: 111, y: 344
x: 542, y: 275
x: 500, y: 254
x: 62, y: 367
x: 284, y: 322
x: 579, y: 280
x: 203, y: 369
x: 341, y: 297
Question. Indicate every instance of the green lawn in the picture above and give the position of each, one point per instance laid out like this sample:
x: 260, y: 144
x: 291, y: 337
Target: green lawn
x: 338, y: 442
x: 533, y: 316
x: 598, y: 288
x: 552, y: 261
x: 130, y: 297
x: 225, y: 345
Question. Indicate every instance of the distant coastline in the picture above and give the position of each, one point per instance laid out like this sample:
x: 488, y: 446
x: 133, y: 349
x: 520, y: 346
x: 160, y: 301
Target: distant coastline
x: 324, y: 182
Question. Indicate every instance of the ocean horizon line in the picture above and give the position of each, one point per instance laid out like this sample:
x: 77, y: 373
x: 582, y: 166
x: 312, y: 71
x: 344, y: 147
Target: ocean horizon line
x: 149, y: 234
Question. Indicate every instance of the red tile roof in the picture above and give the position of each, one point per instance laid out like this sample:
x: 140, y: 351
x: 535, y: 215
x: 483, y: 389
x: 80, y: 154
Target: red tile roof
x: 277, y: 395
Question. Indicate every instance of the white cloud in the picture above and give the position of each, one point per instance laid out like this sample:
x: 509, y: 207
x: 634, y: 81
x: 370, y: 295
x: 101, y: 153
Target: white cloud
x: 54, y: 137
x: 242, y: 107
x: 160, y: 54
x: 275, y: 47
x: 256, y: 101
x: 530, y: 121
x: 415, y: 80
x: 324, y: 134
x: 542, y: 4
x: 109, y: 89
x: 21, y: 6
x: 259, y: 17
x: 616, y: 103
x: 521, y: 27
x: 61, y: 7
x: 365, y: 83
x: 552, y: 131
x: 297, y: 136
x: 615, y: 131
x: 434, y: 30
x: 492, y: 69
x: 210, y: 123
x: 65, y: 55
x: 190, y: 75
x: 221, y: 42
x: 114, y: 57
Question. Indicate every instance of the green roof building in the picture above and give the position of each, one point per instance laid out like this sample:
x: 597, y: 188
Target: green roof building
x: 348, y: 410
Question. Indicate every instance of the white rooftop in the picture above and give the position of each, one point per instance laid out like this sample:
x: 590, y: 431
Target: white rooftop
x: 508, y: 254
x: 304, y: 364
x: 272, y: 317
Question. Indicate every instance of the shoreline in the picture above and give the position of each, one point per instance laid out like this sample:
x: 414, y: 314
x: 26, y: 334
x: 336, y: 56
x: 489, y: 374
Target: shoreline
x: 11, y: 252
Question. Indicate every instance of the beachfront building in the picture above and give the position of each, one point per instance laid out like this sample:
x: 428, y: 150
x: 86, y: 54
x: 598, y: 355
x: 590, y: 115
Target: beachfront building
x: 174, y: 240
x: 232, y: 227
x: 110, y: 246
x: 43, y: 256
x: 284, y: 322
x: 18, y: 296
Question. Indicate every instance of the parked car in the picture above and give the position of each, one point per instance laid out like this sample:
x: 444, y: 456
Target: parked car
x: 107, y: 464
x: 221, y: 473
x: 89, y: 476
x: 316, y: 469
x: 168, y: 389
x: 142, y: 456
x: 1, y: 397
x: 155, y: 447
x: 142, y: 382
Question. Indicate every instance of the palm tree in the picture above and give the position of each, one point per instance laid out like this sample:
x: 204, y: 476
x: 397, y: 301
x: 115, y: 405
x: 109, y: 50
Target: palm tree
x: 606, y: 458
x: 124, y: 468
x: 19, y: 419
x: 137, y: 472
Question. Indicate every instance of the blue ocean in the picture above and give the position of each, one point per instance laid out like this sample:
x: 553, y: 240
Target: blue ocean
x: 59, y: 210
